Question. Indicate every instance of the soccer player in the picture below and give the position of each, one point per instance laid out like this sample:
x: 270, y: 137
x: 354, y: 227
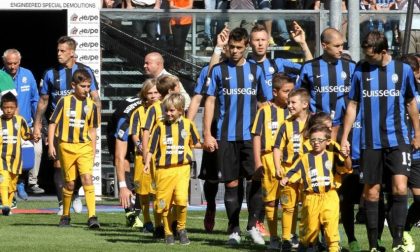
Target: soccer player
x: 13, y: 129
x: 319, y: 171
x: 259, y: 43
x: 235, y: 82
x: 209, y: 171
x: 266, y: 124
x: 122, y: 151
x: 413, y: 215
x: 171, y: 143
x: 143, y: 181
x: 288, y: 144
x: 327, y: 78
x: 384, y: 88
x: 55, y: 84
x: 72, y: 129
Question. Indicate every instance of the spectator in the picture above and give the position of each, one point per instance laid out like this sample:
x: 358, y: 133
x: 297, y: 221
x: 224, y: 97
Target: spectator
x: 414, y: 44
x: 180, y: 26
x: 149, y: 25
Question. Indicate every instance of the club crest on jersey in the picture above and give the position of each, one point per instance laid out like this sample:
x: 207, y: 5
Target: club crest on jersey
x: 394, y: 78
x: 5, y: 132
x: 284, y: 199
x: 328, y: 165
x: 343, y: 75
x: 251, y: 77
x: 161, y: 204
x: 271, y: 70
x: 16, y: 126
x: 24, y: 79
x: 86, y: 109
x: 183, y: 133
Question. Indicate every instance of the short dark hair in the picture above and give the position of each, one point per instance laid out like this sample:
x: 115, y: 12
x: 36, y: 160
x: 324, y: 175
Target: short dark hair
x: 165, y: 83
x: 81, y: 75
x: 239, y: 34
x: 69, y: 41
x: 8, y: 97
x: 318, y: 118
x: 375, y: 40
x: 279, y: 79
x: 320, y: 128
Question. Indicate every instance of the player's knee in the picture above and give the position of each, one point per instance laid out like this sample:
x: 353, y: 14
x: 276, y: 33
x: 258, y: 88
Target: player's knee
x: 69, y: 185
x: 270, y: 204
x: 231, y: 194
x: 86, y: 179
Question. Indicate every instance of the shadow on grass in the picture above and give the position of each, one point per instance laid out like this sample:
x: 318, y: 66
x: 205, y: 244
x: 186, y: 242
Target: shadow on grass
x: 35, y: 224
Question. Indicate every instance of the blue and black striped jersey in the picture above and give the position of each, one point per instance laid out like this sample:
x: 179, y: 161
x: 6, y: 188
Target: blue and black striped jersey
x: 382, y: 93
x: 328, y: 84
x: 202, y: 81
x: 56, y: 82
x: 272, y: 66
x: 236, y: 88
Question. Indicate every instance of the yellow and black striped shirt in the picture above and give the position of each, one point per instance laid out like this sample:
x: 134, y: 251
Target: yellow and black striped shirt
x: 74, y: 118
x: 266, y: 124
x: 318, y: 173
x: 154, y: 114
x: 289, y: 139
x: 171, y: 142
x: 13, y: 130
x: 137, y: 121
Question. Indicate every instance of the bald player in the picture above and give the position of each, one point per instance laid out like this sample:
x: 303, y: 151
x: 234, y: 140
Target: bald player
x: 327, y: 78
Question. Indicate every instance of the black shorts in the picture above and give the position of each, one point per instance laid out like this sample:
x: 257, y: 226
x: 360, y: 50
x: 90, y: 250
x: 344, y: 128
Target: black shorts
x: 208, y: 170
x: 235, y: 160
x: 351, y: 189
x: 414, y: 178
x: 375, y: 163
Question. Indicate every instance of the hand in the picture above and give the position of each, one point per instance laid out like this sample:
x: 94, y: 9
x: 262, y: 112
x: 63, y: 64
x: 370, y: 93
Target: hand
x: 298, y: 34
x: 51, y: 152
x: 109, y: 3
x: 125, y: 197
x: 258, y: 174
x: 284, y: 181
x: 280, y: 173
x: 146, y: 168
x: 210, y: 144
x: 223, y: 37
x: 345, y: 148
x: 416, y: 142
x: 37, y: 134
